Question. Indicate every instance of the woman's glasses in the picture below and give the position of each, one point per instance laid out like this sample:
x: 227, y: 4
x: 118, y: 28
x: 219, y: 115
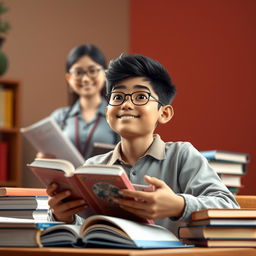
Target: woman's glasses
x: 91, y: 73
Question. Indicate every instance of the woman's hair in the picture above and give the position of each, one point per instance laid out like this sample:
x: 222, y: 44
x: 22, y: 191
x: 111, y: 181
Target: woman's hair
x: 75, y: 55
x: 141, y: 66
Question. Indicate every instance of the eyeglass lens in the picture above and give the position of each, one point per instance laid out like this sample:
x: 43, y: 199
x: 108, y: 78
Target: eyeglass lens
x: 92, y: 73
x: 137, y: 98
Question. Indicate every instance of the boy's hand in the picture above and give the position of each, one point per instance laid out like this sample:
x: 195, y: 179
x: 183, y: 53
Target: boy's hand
x: 63, y: 211
x: 161, y: 203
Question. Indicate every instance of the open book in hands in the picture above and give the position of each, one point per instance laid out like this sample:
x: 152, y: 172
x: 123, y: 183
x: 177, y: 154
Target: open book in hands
x: 96, y: 184
x: 104, y: 231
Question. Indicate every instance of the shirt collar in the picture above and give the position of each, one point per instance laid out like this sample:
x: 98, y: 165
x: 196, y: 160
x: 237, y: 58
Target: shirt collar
x: 156, y: 150
x: 76, y: 110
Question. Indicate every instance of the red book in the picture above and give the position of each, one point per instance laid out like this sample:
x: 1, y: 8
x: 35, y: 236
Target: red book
x: 96, y: 184
x: 11, y: 191
x: 3, y: 161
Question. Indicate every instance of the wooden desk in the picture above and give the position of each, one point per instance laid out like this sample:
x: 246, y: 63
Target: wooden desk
x: 120, y: 252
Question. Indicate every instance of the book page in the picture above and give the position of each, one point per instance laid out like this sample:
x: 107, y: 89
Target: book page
x: 47, y: 137
x: 61, y: 234
x: 137, y: 232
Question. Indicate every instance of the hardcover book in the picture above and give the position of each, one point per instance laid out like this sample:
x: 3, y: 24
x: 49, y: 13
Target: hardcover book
x: 226, y: 156
x: 110, y: 232
x: 222, y: 167
x: 221, y: 242
x: 24, y: 203
x: 223, y: 213
x: 217, y: 232
x: 225, y: 222
x: 37, y: 215
x: 96, y: 184
x: 16, y: 191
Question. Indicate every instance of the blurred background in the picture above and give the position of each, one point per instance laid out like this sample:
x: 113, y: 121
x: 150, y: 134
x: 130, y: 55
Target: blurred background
x: 208, y: 46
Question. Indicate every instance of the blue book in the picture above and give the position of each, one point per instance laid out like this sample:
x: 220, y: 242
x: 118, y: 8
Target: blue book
x: 226, y: 156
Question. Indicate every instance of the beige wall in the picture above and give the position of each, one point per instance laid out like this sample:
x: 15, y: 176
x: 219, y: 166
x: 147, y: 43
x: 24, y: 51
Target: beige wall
x: 42, y: 33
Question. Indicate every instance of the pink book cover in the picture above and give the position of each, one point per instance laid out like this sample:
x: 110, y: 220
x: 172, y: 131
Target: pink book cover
x: 102, y: 184
x: 48, y: 176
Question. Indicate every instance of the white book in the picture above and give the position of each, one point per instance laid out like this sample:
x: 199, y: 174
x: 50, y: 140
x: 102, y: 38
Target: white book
x: 228, y: 167
x: 47, y: 137
x: 231, y: 180
x: 24, y: 203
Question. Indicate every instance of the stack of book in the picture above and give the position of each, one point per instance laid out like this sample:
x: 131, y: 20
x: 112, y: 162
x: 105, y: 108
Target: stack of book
x: 24, y: 203
x: 230, y: 166
x: 221, y: 228
x: 18, y: 232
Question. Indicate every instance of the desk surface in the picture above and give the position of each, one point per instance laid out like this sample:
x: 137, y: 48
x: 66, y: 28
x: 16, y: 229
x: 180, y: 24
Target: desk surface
x: 122, y: 252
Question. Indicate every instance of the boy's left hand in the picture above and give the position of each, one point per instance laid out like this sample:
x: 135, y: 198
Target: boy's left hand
x: 161, y: 203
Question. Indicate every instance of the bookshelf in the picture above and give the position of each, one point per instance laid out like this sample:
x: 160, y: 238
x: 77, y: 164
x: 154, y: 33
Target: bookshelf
x: 9, y: 132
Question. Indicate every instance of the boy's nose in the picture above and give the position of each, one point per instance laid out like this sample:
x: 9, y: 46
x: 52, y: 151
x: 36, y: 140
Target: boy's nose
x: 127, y: 102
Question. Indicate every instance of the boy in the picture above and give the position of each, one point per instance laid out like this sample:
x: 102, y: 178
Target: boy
x: 139, y: 93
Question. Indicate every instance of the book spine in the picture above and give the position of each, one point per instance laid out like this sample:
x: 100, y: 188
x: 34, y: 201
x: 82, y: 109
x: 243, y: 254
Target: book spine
x: 1, y: 106
x: 3, y: 161
x: 8, y: 108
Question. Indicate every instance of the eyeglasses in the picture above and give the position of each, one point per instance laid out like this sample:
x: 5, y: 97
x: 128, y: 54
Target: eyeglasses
x: 138, y: 98
x: 91, y: 73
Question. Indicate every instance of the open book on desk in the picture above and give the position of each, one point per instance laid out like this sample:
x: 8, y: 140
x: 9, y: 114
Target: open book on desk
x: 110, y: 232
x: 47, y: 137
x: 96, y: 184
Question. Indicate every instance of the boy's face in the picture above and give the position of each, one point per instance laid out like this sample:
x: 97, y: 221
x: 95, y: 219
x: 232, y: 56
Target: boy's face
x: 130, y: 120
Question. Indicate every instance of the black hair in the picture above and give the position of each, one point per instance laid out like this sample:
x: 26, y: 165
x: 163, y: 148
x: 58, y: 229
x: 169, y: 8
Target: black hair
x: 75, y: 55
x: 141, y: 66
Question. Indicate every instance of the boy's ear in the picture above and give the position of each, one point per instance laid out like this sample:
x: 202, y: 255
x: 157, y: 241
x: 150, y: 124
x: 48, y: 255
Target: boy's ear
x: 166, y: 114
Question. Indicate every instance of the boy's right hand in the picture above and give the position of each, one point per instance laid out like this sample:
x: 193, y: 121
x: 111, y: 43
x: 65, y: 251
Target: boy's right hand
x: 63, y: 211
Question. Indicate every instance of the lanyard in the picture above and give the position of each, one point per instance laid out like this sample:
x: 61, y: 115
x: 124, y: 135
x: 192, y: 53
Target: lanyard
x: 89, y: 137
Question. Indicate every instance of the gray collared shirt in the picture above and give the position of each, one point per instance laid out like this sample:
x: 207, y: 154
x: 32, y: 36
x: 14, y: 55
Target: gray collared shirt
x: 103, y: 133
x: 183, y: 169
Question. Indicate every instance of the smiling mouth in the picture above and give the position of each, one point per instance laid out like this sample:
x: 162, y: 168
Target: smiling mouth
x: 127, y: 117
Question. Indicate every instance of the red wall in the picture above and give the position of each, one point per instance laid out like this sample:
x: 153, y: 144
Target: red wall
x: 209, y: 48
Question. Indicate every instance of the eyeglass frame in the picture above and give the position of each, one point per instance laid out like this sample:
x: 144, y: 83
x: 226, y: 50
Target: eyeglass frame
x: 87, y: 72
x: 108, y: 96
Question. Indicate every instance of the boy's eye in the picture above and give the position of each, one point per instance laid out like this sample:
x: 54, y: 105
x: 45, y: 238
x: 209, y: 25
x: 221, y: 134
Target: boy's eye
x: 140, y: 96
x: 117, y: 97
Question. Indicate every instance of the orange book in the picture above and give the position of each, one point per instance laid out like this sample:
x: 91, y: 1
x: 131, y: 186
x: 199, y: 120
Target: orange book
x: 223, y: 213
x: 12, y: 191
x: 8, y: 111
